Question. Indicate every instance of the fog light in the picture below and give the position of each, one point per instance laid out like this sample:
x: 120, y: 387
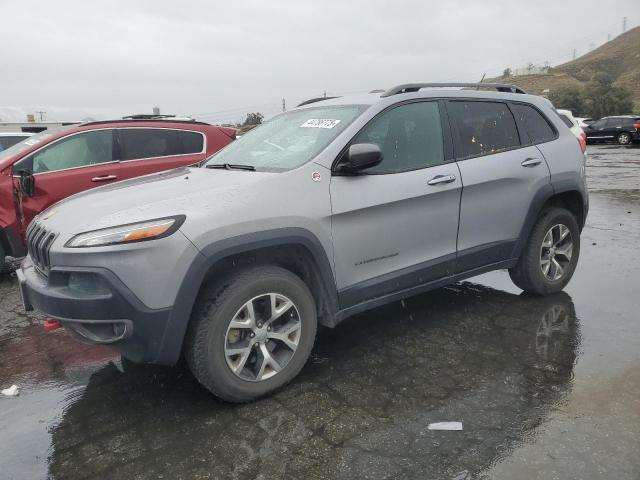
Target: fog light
x: 87, y: 283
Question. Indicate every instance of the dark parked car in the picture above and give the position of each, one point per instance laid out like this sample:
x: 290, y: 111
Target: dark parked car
x: 54, y: 164
x: 622, y: 129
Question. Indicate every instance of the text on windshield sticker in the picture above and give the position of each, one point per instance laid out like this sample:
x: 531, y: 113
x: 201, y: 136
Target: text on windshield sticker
x: 320, y: 123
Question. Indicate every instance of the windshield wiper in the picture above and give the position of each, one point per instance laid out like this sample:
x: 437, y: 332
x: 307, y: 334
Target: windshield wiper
x: 231, y: 166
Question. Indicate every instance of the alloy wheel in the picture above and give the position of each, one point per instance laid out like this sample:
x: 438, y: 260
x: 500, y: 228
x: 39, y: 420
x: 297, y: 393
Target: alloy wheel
x: 262, y: 337
x: 624, y: 139
x: 556, y: 252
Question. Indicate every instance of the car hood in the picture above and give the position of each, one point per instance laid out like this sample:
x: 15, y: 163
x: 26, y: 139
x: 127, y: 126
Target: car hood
x: 174, y: 192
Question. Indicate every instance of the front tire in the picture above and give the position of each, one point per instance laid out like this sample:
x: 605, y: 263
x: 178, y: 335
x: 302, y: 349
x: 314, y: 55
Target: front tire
x: 251, y: 333
x: 551, y: 254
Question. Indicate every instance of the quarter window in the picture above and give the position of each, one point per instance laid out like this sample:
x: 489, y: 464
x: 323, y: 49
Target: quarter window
x: 484, y: 127
x: 138, y: 143
x: 83, y: 149
x: 536, y: 127
x: 410, y: 137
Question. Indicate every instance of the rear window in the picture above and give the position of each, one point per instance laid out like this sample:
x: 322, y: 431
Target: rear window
x: 138, y: 143
x: 484, y: 128
x: 536, y: 127
x: 7, y: 141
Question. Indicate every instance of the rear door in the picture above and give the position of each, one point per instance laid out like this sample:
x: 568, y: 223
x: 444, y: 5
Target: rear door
x: 501, y: 174
x: 395, y: 225
x: 149, y: 150
x: 70, y: 165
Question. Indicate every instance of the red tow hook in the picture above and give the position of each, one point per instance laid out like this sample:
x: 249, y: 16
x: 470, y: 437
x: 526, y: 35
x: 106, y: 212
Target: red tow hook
x: 50, y: 325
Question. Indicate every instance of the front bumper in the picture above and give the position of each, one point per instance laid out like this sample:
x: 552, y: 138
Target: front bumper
x: 95, y: 305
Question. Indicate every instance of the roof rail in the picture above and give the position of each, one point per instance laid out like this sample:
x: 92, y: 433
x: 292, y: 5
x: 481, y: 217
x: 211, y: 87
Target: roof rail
x: 414, y: 87
x: 153, y: 116
x: 314, y: 100
x: 148, y: 120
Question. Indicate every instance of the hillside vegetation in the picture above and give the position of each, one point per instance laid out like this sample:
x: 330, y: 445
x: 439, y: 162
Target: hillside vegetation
x: 619, y: 59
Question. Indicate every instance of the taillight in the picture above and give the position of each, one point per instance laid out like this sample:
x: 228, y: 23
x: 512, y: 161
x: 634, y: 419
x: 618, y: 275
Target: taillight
x: 636, y: 126
x: 582, y: 140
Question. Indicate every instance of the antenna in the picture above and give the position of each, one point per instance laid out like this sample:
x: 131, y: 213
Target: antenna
x: 483, y: 75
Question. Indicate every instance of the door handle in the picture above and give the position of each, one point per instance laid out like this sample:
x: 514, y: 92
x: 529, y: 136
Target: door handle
x: 531, y: 162
x: 441, y: 179
x: 104, y: 178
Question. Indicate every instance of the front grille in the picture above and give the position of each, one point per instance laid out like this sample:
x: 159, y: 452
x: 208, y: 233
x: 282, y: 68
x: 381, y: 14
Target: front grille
x: 39, y: 242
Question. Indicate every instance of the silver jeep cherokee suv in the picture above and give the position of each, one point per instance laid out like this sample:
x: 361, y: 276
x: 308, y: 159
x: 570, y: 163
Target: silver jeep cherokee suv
x: 327, y: 210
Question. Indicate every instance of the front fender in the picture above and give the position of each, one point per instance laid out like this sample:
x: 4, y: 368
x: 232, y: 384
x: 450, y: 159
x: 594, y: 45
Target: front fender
x: 176, y: 327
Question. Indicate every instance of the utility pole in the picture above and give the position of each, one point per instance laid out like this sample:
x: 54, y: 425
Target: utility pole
x: 325, y: 94
x: 284, y: 106
x: 41, y: 115
x: 574, y: 53
x: 624, y: 24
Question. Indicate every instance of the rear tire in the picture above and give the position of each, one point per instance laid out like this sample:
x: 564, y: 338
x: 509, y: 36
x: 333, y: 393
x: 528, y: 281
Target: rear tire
x: 549, y: 259
x: 624, y: 139
x: 254, y: 299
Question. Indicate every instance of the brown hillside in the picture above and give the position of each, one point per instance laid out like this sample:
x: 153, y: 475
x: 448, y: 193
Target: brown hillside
x: 620, y: 58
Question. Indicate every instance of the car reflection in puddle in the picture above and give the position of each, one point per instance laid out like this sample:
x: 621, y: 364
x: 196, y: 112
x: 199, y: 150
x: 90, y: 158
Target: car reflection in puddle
x: 497, y: 362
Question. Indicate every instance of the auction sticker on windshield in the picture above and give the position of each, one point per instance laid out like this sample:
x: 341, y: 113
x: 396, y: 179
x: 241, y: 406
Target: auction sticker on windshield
x: 320, y: 123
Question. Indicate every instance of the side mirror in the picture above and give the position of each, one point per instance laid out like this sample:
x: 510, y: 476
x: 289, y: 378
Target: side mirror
x: 27, y: 183
x: 361, y: 156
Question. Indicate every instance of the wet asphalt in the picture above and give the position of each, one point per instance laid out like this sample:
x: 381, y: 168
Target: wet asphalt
x: 546, y: 388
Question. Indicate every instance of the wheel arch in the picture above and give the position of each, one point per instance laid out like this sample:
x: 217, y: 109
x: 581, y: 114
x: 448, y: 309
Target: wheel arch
x: 295, y: 249
x: 569, y: 194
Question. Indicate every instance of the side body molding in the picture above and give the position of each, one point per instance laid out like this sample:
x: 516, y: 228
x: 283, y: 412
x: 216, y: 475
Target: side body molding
x: 176, y: 327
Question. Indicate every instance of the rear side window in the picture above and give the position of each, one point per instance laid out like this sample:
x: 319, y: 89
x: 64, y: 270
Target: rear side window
x: 484, y: 127
x: 536, y: 127
x: 614, y: 122
x: 192, y: 142
x: 139, y: 143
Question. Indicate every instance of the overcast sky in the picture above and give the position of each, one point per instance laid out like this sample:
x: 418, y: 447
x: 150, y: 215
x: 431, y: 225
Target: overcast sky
x: 219, y: 60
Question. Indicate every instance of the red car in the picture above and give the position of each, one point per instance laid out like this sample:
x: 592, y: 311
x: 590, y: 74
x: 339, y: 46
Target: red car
x: 54, y: 164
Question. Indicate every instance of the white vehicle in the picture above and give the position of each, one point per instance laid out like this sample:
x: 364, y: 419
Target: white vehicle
x: 569, y: 120
x: 9, y: 139
x: 584, y: 121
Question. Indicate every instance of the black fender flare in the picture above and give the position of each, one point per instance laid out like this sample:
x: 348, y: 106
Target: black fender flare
x: 176, y: 327
x: 541, y: 197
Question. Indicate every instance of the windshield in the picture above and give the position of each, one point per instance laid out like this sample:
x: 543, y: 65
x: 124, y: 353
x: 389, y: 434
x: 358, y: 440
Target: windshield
x: 290, y: 139
x: 29, y: 142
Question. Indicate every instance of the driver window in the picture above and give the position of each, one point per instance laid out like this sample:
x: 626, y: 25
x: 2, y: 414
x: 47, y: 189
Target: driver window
x: 409, y: 136
x: 79, y: 150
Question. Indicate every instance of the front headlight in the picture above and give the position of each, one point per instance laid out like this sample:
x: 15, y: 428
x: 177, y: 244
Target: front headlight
x: 132, y: 232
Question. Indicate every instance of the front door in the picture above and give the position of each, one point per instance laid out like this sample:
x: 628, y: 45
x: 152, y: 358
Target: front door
x: 395, y: 225
x: 70, y: 165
